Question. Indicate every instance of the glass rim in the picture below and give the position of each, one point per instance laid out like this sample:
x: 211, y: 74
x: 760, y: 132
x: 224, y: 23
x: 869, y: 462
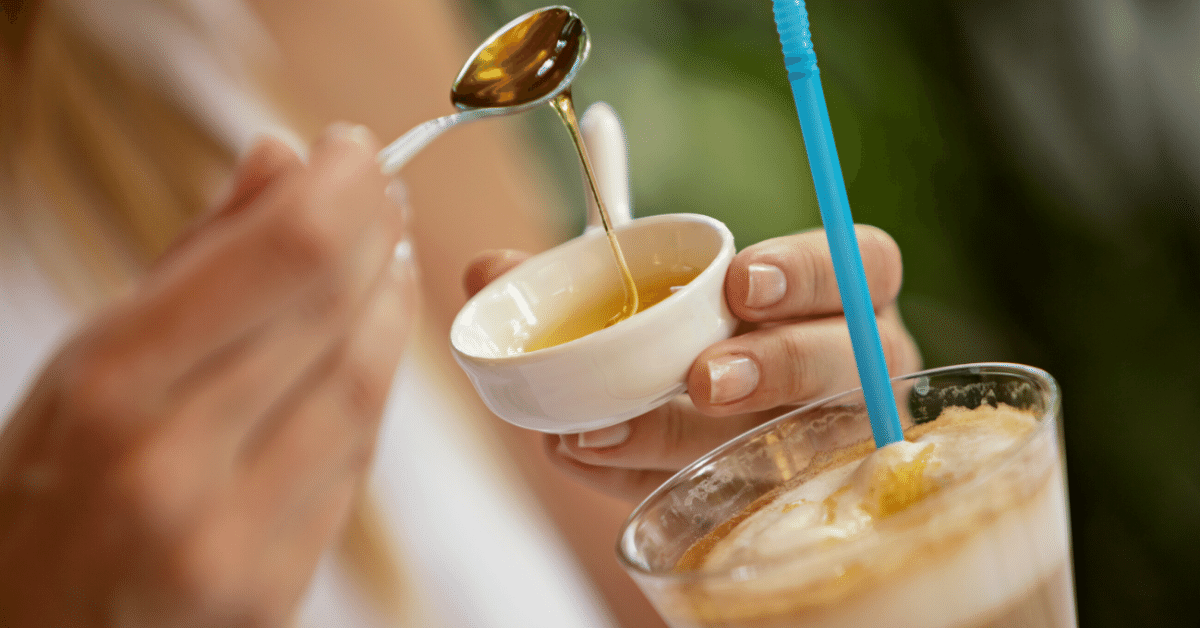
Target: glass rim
x: 1052, y: 411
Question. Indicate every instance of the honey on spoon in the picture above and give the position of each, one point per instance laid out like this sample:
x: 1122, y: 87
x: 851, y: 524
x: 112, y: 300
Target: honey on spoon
x: 530, y: 61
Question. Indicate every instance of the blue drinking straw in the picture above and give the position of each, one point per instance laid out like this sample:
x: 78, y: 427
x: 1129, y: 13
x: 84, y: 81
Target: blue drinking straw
x: 791, y: 18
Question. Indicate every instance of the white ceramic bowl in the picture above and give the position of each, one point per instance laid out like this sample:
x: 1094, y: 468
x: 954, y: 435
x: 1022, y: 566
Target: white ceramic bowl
x: 611, y: 375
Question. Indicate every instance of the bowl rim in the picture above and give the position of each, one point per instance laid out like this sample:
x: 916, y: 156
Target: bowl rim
x: 719, y: 264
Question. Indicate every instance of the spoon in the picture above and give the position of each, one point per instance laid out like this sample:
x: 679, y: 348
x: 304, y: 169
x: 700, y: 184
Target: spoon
x: 528, y: 62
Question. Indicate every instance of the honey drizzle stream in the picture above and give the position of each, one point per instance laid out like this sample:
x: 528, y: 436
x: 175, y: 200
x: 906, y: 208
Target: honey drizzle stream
x: 565, y: 108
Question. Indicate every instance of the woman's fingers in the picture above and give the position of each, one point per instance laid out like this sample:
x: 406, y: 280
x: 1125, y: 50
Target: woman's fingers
x: 242, y: 384
x: 667, y: 438
x: 302, y: 475
x: 489, y: 265
x: 782, y: 278
x: 266, y: 162
x: 790, y: 363
x: 631, y: 485
x: 327, y: 428
x: 792, y: 276
x: 290, y: 492
x: 293, y: 249
x: 806, y: 361
x: 798, y: 349
x: 298, y: 549
x: 257, y: 170
x: 277, y: 327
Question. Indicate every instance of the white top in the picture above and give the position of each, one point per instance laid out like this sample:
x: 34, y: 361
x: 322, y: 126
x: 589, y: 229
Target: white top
x: 33, y: 320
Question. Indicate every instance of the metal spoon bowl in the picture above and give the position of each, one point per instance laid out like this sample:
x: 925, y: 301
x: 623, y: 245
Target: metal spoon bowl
x: 528, y: 62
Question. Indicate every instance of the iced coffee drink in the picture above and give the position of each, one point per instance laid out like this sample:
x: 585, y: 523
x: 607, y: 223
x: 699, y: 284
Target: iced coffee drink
x: 804, y: 523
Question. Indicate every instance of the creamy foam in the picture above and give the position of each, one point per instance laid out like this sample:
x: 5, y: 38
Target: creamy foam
x: 845, y: 501
x: 861, y: 541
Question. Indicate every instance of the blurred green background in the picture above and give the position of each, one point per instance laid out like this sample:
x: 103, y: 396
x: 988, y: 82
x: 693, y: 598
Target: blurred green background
x: 1038, y: 163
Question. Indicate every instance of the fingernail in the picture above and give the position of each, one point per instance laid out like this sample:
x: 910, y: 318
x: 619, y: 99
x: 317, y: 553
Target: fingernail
x: 605, y: 437
x: 731, y: 378
x: 356, y: 133
x: 561, y: 449
x: 768, y: 284
x: 403, y: 251
x: 404, y: 260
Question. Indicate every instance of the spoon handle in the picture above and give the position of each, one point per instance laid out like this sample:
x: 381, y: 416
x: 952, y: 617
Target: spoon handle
x: 605, y: 140
x: 393, y: 156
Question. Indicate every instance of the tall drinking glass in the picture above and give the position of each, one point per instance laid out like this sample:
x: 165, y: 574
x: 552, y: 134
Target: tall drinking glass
x: 991, y: 548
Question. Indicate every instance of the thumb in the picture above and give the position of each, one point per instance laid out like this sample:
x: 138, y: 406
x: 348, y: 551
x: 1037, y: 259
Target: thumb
x: 266, y: 162
x: 489, y: 265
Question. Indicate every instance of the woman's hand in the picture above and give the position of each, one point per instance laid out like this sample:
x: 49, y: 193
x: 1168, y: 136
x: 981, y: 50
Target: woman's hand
x: 793, y: 347
x: 185, y: 459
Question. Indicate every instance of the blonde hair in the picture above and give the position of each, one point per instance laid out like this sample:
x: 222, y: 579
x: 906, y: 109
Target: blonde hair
x: 90, y: 191
x: 101, y: 171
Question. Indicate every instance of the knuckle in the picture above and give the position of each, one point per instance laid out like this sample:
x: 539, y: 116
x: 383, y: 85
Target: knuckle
x: 154, y: 489
x: 365, y: 389
x: 351, y: 183
x: 812, y: 266
x: 891, y: 349
x: 894, y: 349
x: 800, y: 374
x: 882, y: 255
x: 96, y: 385
x: 140, y: 489
x: 672, y: 431
x: 301, y: 242
x: 899, y: 350
x: 326, y: 301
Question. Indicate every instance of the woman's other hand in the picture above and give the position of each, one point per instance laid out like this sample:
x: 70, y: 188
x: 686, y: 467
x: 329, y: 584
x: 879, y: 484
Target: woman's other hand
x: 793, y: 347
x: 185, y: 459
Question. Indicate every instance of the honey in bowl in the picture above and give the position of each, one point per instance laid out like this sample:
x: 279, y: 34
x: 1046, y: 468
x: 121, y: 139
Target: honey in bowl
x: 600, y: 311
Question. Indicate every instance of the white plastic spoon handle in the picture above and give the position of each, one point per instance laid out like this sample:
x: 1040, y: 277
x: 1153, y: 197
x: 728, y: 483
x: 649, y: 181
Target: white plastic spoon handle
x: 605, y: 141
x: 393, y: 156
